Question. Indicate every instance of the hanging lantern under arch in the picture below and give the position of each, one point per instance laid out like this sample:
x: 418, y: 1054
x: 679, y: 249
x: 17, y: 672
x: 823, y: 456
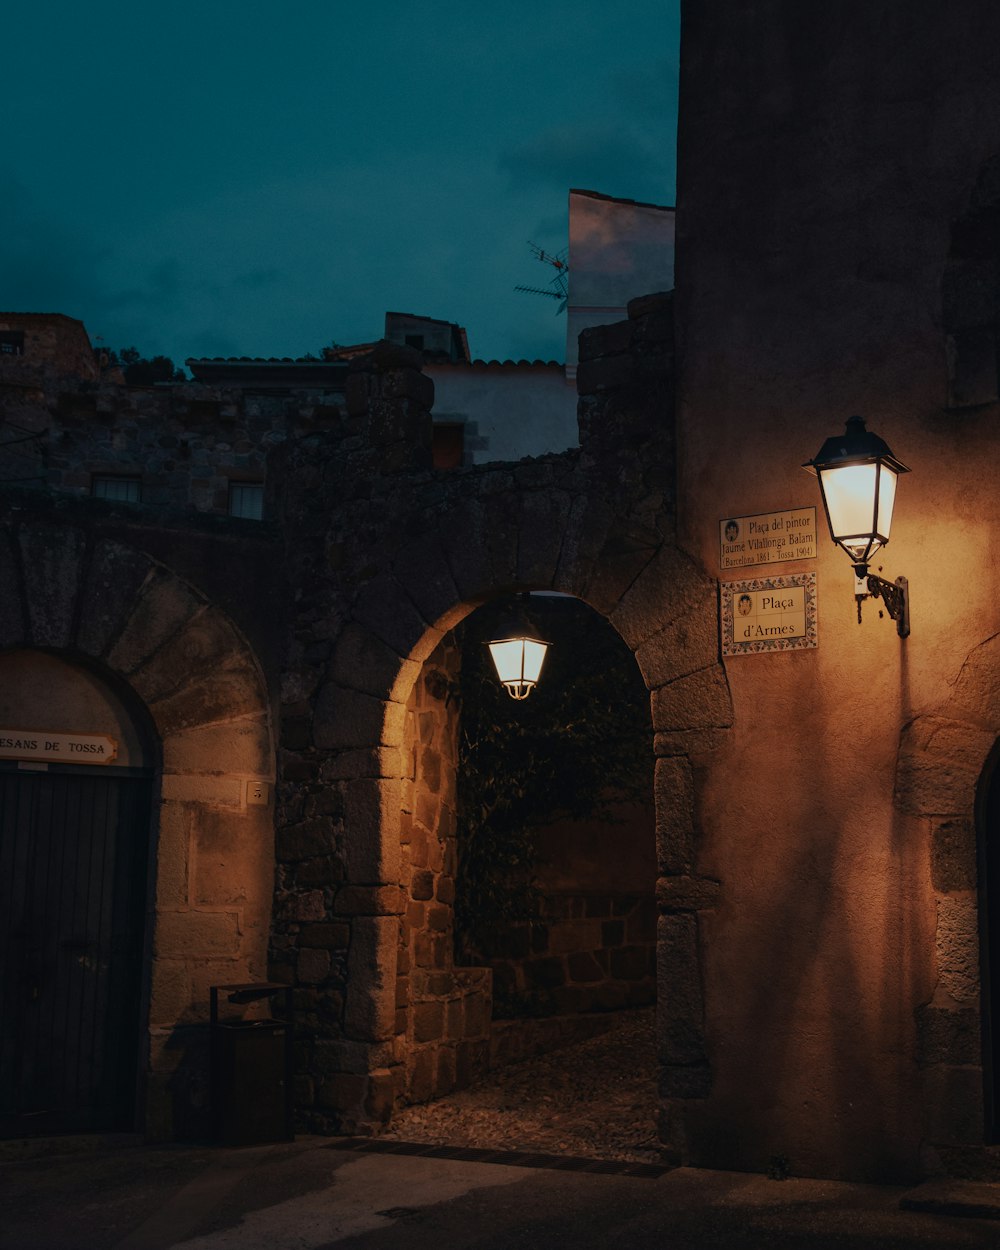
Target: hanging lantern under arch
x: 518, y: 653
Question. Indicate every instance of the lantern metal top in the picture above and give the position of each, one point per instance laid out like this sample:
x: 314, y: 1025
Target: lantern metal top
x: 857, y: 445
x: 516, y: 623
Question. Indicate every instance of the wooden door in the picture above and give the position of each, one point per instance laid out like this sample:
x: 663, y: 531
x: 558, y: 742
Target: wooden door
x: 73, y: 855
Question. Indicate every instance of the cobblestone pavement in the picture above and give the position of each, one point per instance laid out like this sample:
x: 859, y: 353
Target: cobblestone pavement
x: 595, y: 1099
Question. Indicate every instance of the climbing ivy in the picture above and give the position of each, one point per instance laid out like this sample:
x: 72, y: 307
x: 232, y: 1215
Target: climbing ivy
x: 580, y: 742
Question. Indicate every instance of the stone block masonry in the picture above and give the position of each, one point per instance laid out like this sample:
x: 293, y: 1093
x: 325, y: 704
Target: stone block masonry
x: 183, y: 443
x: 442, y: 1012
x: 328, y: 622
x: 386, y: 558
x: 586, y: 953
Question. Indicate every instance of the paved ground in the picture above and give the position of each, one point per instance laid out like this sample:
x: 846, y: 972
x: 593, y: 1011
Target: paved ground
x: 591, y: 1101
x: 594, y: 1099
x: 307, y: 1196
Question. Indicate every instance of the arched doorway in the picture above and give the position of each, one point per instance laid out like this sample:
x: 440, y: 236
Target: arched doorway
x: 665, y: 609
x: 76, y: 774
x: 528, y: 861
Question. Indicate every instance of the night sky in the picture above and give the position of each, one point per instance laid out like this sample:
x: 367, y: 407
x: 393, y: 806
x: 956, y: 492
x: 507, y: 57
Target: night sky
x: 232, y: 178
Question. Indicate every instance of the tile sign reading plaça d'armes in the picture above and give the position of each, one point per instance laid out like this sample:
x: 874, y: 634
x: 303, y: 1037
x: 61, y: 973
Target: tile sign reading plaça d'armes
x: 769, y: 614
x: 768, y: 538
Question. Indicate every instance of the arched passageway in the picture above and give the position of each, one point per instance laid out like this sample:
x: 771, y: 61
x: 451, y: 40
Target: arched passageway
x: 665, y: 614
x: 386, y: 581
x: 527, y: 850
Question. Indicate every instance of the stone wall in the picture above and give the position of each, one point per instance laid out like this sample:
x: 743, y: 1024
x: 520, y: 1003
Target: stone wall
x: 185, y: 443
x: 52, y: 344
x: 586, y: 953
x: 942, y: 778
x: 383, y: 571
x: 442, y: 1012
x: 368, y: 559
x: 76, y: 582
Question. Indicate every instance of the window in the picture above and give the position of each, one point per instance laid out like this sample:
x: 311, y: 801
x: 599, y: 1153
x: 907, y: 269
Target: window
x: 415, y: 340
x: 447, y: 445
x: 123, y: 489
x: 246, y: 499
x: 11, y: 342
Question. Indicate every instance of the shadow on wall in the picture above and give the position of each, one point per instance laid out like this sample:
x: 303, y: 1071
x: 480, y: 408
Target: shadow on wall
x: 828, y: 913
x: 186, y: 1093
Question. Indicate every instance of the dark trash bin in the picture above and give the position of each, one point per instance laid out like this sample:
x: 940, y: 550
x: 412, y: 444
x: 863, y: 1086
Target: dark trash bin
x: 251, y: 1068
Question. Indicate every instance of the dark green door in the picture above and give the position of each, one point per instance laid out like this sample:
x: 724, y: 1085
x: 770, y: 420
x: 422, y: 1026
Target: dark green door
x: 73, y: 852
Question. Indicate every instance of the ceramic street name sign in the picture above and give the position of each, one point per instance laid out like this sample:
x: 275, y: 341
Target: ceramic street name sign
x: 769, y: 614
x: 57, y: 748
x: 767, y: 538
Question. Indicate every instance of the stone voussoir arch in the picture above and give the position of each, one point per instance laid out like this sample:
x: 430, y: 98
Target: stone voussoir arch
x: 664, y: 607
x: 944, y: 758
x: 98, y: 601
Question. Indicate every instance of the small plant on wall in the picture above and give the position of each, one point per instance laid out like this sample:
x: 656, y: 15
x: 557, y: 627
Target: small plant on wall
x: 580, y: 741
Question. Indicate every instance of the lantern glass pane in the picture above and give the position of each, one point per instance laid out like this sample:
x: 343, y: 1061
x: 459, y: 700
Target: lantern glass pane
x: 534, y: 657
x: 886, y: 498
x: 508, y: 658
x: 850, y: 499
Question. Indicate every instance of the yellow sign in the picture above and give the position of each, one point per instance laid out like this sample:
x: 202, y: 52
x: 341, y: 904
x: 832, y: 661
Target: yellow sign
x: 767, y: 538
x: 769, y: 614
x: 55, y: 748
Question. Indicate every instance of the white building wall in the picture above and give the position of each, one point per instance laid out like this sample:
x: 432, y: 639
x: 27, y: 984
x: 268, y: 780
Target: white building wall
x: 509, y: 410
x: 618, y: 250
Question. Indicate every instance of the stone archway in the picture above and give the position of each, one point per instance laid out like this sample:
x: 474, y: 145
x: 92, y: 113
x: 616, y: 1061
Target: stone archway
x: 665, y: 609
x: 108, y: 605
x: 943, y: 768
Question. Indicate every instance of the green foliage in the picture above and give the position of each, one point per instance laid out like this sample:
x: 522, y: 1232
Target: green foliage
x: 580, y: 739
x: 142, y: 371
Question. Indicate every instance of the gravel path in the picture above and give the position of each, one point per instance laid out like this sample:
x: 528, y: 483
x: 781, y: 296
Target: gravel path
x: 595, y: 1099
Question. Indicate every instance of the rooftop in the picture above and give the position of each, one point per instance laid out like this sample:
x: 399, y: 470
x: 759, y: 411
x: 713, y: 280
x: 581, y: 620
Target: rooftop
x: 617, y: 199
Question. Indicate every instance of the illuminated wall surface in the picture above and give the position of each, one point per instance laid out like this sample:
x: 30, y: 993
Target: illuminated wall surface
x: 822, y: 788
x: 839, y: 813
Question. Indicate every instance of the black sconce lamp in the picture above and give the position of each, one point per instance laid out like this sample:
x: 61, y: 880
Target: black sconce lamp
x: 857, y: 479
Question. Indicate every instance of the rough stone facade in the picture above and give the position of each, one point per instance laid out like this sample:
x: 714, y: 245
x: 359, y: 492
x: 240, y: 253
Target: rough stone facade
x: 81, y: 583
x: 586, y: 952
x: 442, y: 1011
x: 381, y: 556
x: 48, y: 344
x: 403, y: 568
x: 185, y: 444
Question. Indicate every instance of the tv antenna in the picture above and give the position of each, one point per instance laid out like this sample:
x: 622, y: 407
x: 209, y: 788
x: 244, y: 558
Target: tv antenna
x: 558, y: 288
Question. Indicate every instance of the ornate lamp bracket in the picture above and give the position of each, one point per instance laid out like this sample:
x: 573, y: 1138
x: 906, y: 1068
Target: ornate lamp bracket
x: 894, y: 595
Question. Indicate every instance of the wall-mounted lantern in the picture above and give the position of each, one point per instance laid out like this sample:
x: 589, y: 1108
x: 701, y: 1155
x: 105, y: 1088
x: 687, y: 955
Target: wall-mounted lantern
x: 857, y: 479
x: 518, y: 654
